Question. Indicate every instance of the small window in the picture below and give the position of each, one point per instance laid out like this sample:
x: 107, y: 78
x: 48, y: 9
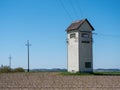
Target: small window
x: 87, y: 64
x: 85, y: 35
x: 72, y: 35
x: 85, y: 41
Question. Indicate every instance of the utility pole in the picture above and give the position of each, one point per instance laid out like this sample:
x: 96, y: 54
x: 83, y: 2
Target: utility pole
x: 28, y: 45
x: 10, y: 61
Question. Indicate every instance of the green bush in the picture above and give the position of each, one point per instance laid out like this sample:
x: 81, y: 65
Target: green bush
x: 19, y: 69
x: 5, y: 69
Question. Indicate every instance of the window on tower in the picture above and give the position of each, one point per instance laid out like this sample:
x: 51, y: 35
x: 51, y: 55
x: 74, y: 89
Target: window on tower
x: 85, y: 41
x: 87, y: 64
x: 72, y: 35
x: 85, y: 35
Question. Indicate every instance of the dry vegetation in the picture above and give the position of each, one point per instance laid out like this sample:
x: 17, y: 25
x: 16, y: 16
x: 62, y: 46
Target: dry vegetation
x: 55, y: 81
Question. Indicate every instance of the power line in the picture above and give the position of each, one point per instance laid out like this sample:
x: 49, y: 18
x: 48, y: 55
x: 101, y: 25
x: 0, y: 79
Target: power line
x: 28, y: 45
x: 106, y: 35
x: 65, y: 10
x: 79, y: 8
x: 74, y: 10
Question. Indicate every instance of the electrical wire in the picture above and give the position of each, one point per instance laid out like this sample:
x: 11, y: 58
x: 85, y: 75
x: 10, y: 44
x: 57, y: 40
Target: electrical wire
x: 106, y: 35
x: 79, y: 8
x: 74, y: 10
x: 65, y: 10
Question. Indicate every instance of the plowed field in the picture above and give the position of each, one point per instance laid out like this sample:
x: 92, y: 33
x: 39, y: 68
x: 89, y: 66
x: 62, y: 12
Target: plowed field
x: 55, y: 81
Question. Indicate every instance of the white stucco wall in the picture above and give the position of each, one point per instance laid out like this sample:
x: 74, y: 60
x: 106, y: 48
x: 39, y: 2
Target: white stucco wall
x: 73, y: 59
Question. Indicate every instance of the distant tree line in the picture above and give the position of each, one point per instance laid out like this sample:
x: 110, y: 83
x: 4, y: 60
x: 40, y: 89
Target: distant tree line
x: 7, y: 69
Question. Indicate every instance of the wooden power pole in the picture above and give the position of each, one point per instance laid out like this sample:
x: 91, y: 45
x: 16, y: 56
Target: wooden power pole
x: 28, y: 45
x: 10, y: 61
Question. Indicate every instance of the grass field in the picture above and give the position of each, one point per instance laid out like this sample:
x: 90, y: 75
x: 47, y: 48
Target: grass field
x: 57, y: 81
x: 94, y: 73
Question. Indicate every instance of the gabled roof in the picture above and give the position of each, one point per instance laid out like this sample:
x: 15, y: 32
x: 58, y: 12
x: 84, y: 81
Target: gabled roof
x: 76, y: 25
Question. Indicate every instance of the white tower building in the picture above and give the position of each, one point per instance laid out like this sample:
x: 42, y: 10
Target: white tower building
x: 79, y: 46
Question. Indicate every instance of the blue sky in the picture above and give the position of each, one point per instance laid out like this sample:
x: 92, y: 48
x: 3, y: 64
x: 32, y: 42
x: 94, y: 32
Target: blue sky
x: 43, y: 23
